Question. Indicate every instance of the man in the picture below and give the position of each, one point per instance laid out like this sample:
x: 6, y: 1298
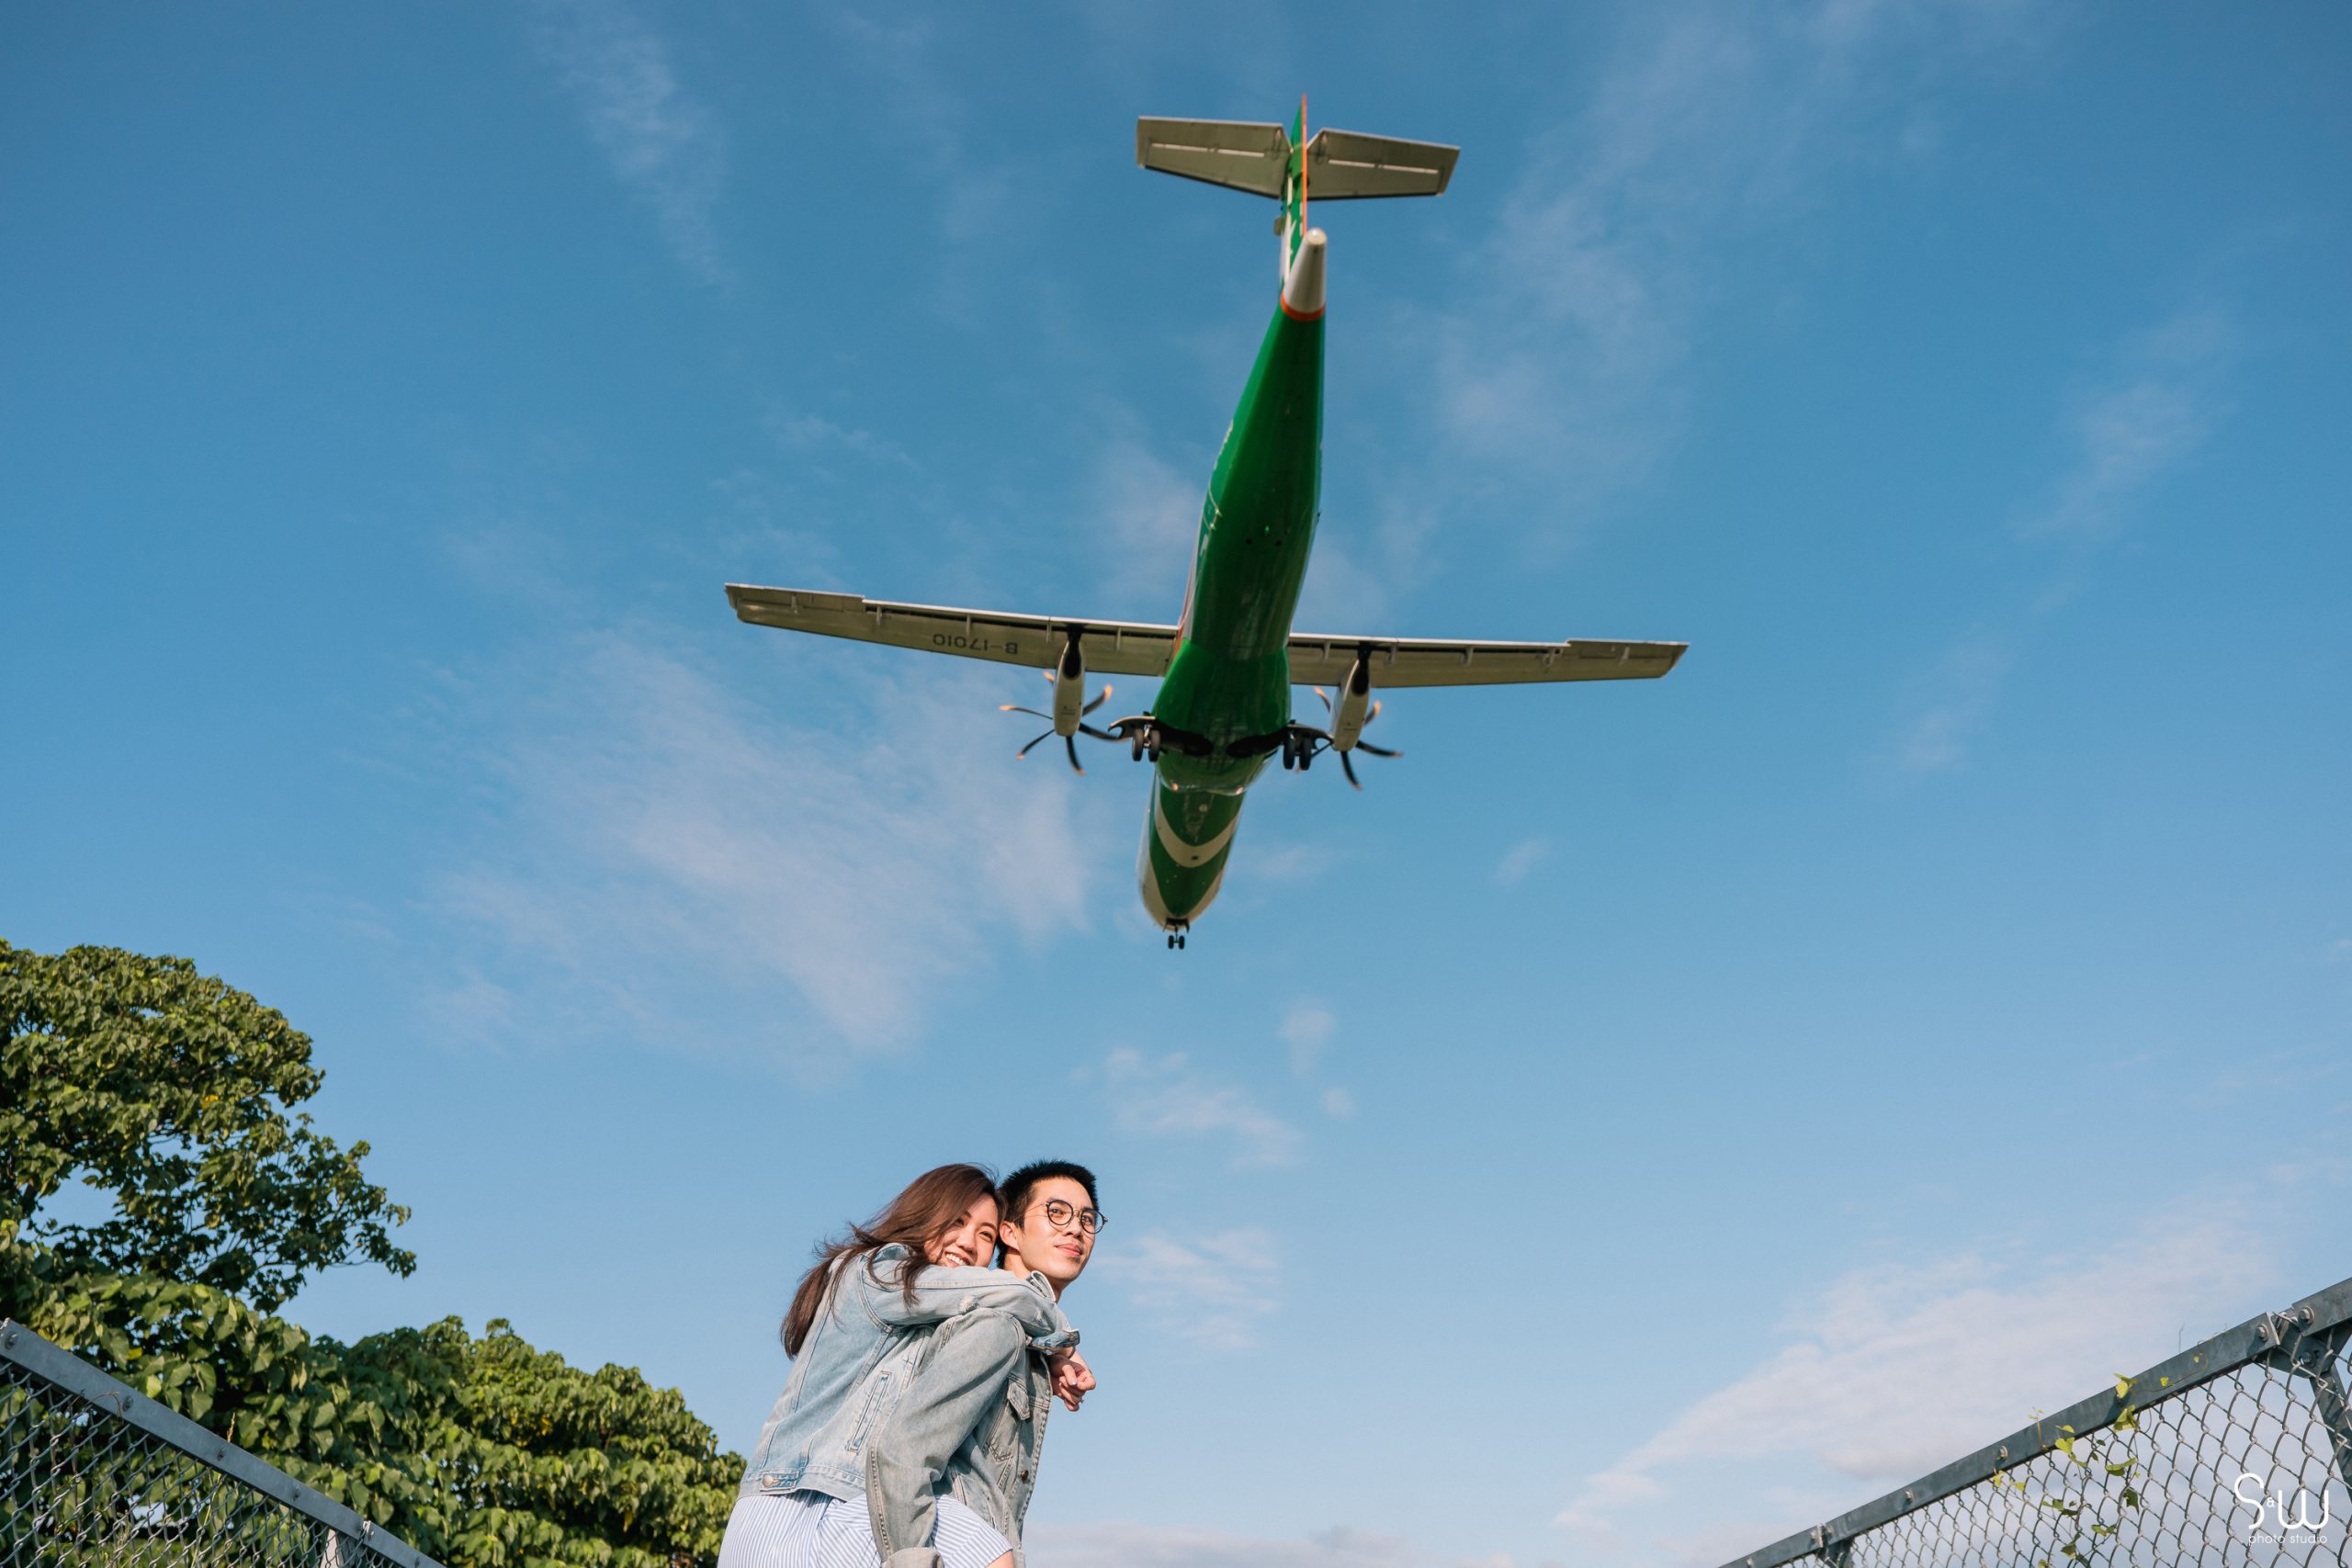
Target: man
x: 973, y: 1421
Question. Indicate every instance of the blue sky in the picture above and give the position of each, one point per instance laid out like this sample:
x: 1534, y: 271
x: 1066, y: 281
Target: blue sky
x: 1650, y: 1118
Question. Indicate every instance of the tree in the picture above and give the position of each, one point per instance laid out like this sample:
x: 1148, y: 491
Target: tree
x: 169, y: 1089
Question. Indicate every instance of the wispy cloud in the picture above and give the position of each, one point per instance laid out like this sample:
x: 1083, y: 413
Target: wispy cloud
x: 660, y: 839
x: 2146, y: 414
x: 1165, y: 1096
x: 1939, y: 735
x: 1215, y: 1289
x: 1120, y: 1545
x: 2145, y: 418
x: 1898, y: 1369
x: 1146, y: 515
x: 1520, y: 859
x: 1307, y: 1028
x: 661, y: 141
x: 811, y: 436
x: 1632, y: 222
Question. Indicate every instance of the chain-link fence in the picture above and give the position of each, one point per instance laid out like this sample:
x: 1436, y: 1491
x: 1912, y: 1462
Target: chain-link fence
x: 92, y: 1473
x: 2236, y: 1451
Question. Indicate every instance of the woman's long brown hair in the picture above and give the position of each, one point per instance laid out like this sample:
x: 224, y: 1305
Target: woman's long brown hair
x: 931, y: 1202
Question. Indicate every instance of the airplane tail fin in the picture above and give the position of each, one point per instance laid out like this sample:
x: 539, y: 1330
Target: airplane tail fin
x: 1281, y: 163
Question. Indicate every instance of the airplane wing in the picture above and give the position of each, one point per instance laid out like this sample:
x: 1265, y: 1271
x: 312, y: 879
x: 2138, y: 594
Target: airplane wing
x: 1428, y: 661
x: 1111, y: 647
x: 1137, y: 647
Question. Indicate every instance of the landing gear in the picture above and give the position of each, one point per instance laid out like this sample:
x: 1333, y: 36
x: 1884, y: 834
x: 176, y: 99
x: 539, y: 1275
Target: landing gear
x: 1175, y: 941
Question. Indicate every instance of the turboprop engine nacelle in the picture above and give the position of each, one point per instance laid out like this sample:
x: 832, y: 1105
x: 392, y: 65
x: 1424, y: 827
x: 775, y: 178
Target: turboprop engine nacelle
x: 1353, y: 710
x: 1069, y: 689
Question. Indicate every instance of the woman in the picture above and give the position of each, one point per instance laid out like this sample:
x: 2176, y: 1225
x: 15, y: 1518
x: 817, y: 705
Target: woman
x: 855, y: 1328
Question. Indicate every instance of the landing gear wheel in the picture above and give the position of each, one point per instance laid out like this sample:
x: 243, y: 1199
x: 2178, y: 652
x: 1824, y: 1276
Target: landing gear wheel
x: 1135, y: 745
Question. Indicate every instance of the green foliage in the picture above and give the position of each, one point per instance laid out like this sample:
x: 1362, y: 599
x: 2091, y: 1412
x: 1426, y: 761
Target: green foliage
x: 2092, y: 1497
x: 483, y: 1452
x: 169, y: 1090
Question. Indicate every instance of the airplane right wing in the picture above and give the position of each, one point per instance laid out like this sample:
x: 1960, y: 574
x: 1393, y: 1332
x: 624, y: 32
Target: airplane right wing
x: 1428, y: 661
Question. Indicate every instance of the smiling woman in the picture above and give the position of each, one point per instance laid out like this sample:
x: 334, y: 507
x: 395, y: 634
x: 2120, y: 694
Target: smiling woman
x: 857, y: 1330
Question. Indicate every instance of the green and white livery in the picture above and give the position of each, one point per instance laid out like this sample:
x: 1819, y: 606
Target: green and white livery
x: 1228, y: 666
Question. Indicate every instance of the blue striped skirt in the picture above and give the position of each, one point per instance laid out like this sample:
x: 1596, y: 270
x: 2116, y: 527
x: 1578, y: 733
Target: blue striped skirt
x: 808, y: 1529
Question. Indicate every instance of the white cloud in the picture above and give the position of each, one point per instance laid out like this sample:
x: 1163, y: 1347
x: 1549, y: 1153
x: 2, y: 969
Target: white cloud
x: 2146, y: 418
x: 1124, y: 1545
x: 1307, y: 1028
x: 1339, y: 1104
x: 1213, y: 1290
x: 1520, y: 859
x: 1164, y: 1096
x: 1624, y: 231
x: 811, y: 434
x: 664, y: 145
x: 1939, y: 736
x: 660, y: 839
x: 2158, y: 401
x: 1146, y: 514
x: 1897, y: 1370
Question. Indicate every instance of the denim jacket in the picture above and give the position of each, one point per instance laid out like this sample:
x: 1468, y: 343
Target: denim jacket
x: 860, y: 1354
x: 971, y: 1422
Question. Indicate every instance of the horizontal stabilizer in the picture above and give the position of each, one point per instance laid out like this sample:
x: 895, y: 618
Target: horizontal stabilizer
x: 1240, y: 154
x: 1343, y: 165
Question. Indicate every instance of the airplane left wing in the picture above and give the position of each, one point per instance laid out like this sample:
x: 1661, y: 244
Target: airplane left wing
x: 1111, y: 647
x: 1428, y: 661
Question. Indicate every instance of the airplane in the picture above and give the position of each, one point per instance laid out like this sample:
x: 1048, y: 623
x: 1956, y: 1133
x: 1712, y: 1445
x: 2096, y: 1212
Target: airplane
x: 1227, y: 664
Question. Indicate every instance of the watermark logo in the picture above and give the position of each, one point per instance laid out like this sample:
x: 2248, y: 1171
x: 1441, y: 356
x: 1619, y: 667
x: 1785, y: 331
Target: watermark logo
x: 2281, y: 1519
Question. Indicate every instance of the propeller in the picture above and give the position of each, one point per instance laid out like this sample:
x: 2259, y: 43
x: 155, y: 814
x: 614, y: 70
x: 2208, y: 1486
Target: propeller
x: 1365, y: 745
x: 1069, y: 741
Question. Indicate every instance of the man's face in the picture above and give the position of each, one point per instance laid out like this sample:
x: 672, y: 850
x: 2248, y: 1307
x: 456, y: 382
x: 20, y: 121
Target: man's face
x: 1057, y: 1251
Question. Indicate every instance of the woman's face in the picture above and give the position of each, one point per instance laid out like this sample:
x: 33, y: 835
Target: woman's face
x: 970, y: 1242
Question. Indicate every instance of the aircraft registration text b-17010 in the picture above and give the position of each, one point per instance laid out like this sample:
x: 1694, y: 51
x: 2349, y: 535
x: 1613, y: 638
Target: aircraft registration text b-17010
x: 1227, y: 665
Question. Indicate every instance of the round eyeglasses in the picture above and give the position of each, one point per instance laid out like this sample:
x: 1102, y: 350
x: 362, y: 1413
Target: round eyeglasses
x: 1060, y: 1214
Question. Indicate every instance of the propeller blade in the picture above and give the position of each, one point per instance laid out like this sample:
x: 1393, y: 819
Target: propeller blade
x: 1374, y: 712
x: 1350, y: 769
x: 1377, y: 750
x: 1071, y: 741
x: 1032, y: 713
x: 1096, y: 703
x: 1026, y: 749
x: 1326, y: 696
x: 1098, y: 734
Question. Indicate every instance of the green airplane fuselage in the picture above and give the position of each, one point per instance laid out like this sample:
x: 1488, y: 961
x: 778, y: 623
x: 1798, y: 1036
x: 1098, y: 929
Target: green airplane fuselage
x: 1230, y: 678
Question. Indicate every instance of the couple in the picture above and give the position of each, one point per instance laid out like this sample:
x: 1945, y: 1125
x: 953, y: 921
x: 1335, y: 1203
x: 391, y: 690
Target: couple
x: 908, y: 1432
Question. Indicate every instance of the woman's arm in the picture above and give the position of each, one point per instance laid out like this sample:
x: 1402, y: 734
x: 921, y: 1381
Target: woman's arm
x: 946, y: 1291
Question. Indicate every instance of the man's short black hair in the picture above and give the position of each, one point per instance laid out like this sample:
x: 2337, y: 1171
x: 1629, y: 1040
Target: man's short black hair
x: 1013, y: 1192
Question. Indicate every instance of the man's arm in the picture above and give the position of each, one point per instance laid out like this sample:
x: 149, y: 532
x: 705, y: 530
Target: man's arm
x: 971, y: 1359
x: 948, y: 1291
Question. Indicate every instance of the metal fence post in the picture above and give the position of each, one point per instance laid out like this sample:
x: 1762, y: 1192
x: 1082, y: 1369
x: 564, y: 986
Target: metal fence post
x: 2314, y: 1355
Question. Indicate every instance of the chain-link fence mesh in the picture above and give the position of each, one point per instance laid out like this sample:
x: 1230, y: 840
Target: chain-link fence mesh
x: 2236, y: 1452
x: 92, y: 1473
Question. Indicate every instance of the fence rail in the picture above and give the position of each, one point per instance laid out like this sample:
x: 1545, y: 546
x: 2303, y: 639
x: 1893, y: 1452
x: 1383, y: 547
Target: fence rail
x: 94, y: 1472
x: 2237, y: 1451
